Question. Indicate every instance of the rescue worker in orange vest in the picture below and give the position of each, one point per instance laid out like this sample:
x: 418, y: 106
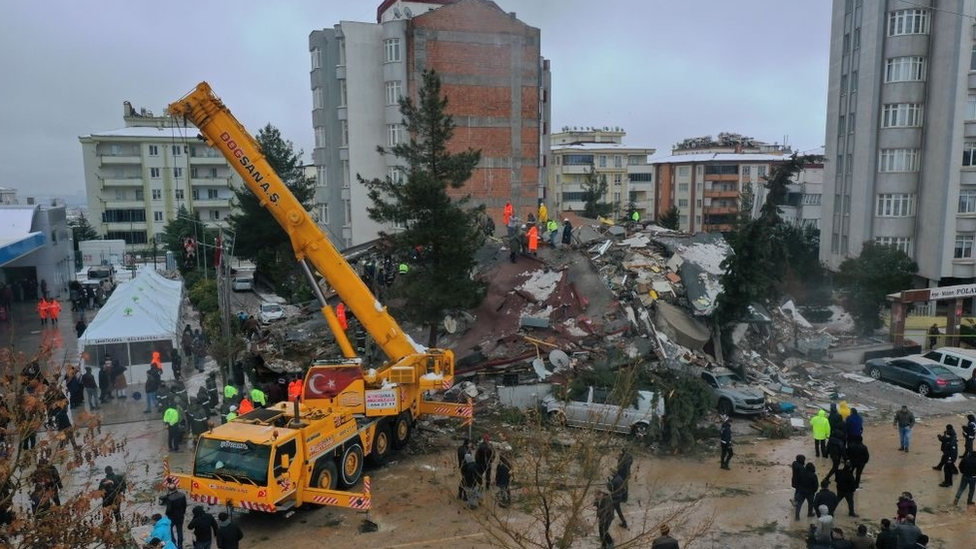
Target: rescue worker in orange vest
x: 341, y: 315
x: 245, y: 406
x: 156, y: 362
x: 54, y: 310
x: 294, y: 389
x: 533, y: 239
x: 508, y: 213
x: 543, y: 214
x: 42, y: 310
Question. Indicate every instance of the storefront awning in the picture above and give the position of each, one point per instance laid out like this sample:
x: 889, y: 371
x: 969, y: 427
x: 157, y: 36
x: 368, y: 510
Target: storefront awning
x: 16, y: 238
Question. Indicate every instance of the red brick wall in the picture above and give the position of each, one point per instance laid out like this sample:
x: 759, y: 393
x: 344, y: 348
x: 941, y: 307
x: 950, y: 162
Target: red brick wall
x: 460, y: 60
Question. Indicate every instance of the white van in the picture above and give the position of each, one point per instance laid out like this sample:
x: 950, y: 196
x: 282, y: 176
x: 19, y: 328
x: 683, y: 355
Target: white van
x: 959, y: 361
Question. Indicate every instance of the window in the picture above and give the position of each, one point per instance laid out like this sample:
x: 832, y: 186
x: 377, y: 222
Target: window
x: 345, y: 174
x: 140, y: 196
x: 124, y: 216
x: 616, y: 197
x: 393, y: 92
x: 342, y: 51
x: 618, y: 161
x: 115, y: 149
x: 850, y: 123
x: 602, y: 161
x: 578, y: 159
x: 316, y: 58
x: 342, y: 93
x: 347, y: 207
x: 324, y: 214
x: 971, y: 107
x: 964, y: 247
x: 967, y: 201
x: 319, y: 137
x: 393, y: 134
x: 179, y: 194
x: 177, y: 150
x: 391, y: 48
x: 895, y: 205
x: 617, y: 179
x: 720, y: 169
x: 130, y: 237
x: 905, y: 69
x: 635, y: 160
x: 901, y: 115
x: 212, y: 194
x: 318, y: 98
x: 177, y: 172
x: 684, y: 171
x: 395, y: 174
x: 682, y: 187
x: 157, y: 216
x: 641, y: 178
x: 579, y: 196
x: 153, y: 150
x: 898, y: 160
x: 746, y: 171
x: 194, y: 173
x: 212, y: 174
x: 969, y: 153
x: 761, y: 171
x: 344, y: 124
x: 682, y: 202
x: 214, y: 215
x: 853, y: 83
x: 857, y: 38
x: 154, y: 173
x: 195, y: 194
x: 841, y: 124
x: 972, y: 59
x: 902, y: 243
x: 157, y: 194
x: 811, y: 199
x: 908, y: 22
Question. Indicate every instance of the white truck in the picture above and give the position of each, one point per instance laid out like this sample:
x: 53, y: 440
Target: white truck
x: 102, y: 252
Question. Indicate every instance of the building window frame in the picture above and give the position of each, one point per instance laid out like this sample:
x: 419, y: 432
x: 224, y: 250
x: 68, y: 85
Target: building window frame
x: 908, y: 68
x: 391, y: 50
x: 316, y: 55
x: 967, y: 200
x: 318, y: 97
x: 908, y: 21
x: 394, y: 90
x: 903, y: 243
x: 157, y: 194
x: 154, y: 173
x: 963, y: 248
x: 343, y: 93
x: 153, y: 150
x: 902, y: 115
x: 394, y: 134
x: 895, y: 205
x: 344, y: 126
x: 969, y: 154
x: 898, y: 160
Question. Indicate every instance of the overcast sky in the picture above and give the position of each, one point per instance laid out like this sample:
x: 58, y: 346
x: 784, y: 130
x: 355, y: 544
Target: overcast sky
x: 662, y: 70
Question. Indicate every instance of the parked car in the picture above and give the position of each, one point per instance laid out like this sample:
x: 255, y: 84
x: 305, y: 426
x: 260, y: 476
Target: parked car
x: 733, y: 393
x: 243, y: 284
x: 921, y: 374
x: 270, y: 312
x: 594, y: 409
x: 958, y: 361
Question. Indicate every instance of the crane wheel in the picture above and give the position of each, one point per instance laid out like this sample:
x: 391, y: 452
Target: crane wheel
x: 351, y: 465
x: 382, y: 444
x: 402, y: 430
x: 326, y: 474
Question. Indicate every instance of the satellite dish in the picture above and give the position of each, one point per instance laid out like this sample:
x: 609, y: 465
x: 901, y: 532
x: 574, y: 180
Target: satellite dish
x: 407, y: 12
x: 396, y: 12
x: 559, y: 359
x: 450, y: 324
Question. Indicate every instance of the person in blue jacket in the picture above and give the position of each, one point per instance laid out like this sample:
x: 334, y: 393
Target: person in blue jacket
x: 854, y: 425
x: 162, y: 528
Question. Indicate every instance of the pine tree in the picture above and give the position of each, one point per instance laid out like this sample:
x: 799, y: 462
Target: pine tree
x: 258, y: 236
x: 81, y: 230
x: 446, y: 229
x: 670, y: 219
x: 594, y: 190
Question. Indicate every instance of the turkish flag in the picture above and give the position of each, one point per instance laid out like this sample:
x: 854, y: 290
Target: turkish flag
x: 329, y: 381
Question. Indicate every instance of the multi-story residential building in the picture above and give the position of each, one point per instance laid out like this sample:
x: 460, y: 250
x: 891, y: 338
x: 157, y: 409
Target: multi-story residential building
x: 491, y: 71
x: 139, y: 176
x: 901, y: 135
x: 705, y: 179
x: 624, y: 168
x: 801, y: 206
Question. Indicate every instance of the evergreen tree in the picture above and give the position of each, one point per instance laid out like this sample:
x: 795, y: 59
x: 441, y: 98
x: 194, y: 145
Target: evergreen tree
x: 867, y: 280
x: 81, y: 230
x: 258, y: 237
x: 594, y: 190
x: 670, y: 219
x: 760, y: 254
x: 447, y: 230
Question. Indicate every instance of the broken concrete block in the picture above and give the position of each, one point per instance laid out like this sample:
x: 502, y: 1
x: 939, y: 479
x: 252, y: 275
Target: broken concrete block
x: 533, y: 322
x: 617, y: 230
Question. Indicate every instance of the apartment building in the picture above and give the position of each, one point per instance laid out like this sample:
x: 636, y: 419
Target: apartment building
x: 139, y: 176
x: 491, y: 71
x: 901, y: 135
x: 624, y: 168
x: 802, y: 205
x: 705, y: 179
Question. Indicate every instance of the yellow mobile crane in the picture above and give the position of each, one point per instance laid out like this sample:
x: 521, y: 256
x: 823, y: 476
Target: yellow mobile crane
x: 290, y: 454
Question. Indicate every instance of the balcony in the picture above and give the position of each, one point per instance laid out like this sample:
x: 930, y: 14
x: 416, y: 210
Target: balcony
x: 722, y: 177
x: 717, y: 228
x: 124, y: 204
x: 120, y: 159
x: 211, y: 203
x: 208, y: 181
x: 721, y: 194
x: 124, y: 182
x: 125, y: 226
x: 719, y: 210
x: 210, y: 160
x: 575, y: 169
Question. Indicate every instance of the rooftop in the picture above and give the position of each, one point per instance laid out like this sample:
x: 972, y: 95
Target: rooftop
x: 718, y: 157
x: 601, y: 146
x: 152, y: 132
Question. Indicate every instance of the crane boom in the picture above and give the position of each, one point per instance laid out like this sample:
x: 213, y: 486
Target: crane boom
x: 223, y: 131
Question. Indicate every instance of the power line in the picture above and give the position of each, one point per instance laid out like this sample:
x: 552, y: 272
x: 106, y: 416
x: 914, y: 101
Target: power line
x: 958, y: 14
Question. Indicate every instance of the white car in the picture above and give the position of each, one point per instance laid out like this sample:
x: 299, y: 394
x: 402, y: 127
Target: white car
x: 242, y: 284
x: 270, y: 312
x: 594, y: 409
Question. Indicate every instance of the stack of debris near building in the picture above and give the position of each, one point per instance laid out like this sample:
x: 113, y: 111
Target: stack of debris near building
x: 621, y: 295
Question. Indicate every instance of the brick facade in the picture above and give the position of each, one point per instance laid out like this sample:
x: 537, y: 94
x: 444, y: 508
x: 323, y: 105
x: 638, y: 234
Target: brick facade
x: 491, y: 68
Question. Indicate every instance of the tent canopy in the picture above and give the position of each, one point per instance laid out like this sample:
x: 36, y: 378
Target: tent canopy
x: 147, y: 308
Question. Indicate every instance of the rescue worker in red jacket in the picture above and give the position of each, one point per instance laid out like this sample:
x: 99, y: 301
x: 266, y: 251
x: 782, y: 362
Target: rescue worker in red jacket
x: 42, y: 310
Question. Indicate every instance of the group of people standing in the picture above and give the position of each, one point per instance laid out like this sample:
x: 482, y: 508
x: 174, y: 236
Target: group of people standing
x: 967, y: 465
x: 475, y: 468
x: 524, y: 239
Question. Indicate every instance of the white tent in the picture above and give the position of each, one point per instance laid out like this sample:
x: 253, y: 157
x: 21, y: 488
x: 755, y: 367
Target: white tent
x: 142, y: 315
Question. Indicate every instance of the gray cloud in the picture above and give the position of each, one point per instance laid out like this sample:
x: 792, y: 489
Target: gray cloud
x: 662, y: 70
